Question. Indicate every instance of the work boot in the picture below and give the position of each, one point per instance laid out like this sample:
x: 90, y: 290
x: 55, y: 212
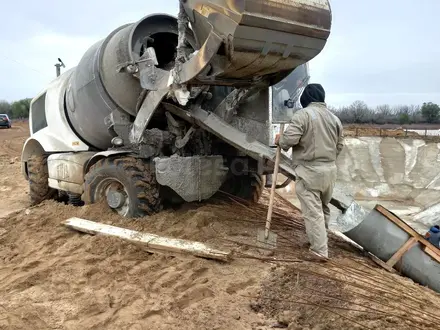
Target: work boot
x: 306, y: 245
x: 319, y: 255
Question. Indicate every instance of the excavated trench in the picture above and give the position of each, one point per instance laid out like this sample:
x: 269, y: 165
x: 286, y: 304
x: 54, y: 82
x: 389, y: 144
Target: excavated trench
x: 403, y: 175
x: 55, y: 278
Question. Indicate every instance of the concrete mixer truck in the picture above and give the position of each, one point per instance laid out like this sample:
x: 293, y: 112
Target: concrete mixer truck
x: 174, y: 109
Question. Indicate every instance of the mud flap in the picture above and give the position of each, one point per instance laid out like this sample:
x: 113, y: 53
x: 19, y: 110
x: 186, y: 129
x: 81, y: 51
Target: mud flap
x: 192, y: 178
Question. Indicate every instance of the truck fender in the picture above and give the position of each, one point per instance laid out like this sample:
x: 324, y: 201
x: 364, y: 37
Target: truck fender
x: 101, y: 155
x: 40, y: 144
x: 30, y: 147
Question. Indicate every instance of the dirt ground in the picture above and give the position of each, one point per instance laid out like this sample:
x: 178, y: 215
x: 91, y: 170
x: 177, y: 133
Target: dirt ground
x: 54, y: 278
x: 12, y: 184
x: 365, y: 130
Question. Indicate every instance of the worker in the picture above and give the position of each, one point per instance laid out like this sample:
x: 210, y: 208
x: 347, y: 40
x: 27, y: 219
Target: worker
x: 433, y: 235
x: 316, y: 138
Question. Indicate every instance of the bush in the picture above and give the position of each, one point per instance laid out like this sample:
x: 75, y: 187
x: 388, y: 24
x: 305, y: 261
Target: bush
x: 360, y: 113
x: 17, y: 109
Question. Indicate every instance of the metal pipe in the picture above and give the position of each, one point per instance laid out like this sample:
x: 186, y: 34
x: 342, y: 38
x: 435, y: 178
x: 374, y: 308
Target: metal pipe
x: 382, y: 237
x: 58, y: 67
x: 58, y: 70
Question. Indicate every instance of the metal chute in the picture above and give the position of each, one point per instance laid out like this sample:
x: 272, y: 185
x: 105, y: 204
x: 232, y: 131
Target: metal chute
x: 261, y: 37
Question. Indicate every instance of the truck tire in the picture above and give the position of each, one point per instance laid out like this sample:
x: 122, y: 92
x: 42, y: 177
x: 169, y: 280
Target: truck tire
x: 124, y: 180
x: 248, y: 187
x: 38, y: 174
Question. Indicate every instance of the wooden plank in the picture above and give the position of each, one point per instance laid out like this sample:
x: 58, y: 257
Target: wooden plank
x: 401, y: 251
x: 399, y: 222
x: 432, y: 252
x: 427, y: 247
x: 381, y: 263
x: 151, y: 242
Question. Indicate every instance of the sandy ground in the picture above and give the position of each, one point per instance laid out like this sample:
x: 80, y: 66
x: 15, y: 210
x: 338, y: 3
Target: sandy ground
x: 353, y: 130
x: 425, y: 132
x: 12, y: 184
x: 55, y: 278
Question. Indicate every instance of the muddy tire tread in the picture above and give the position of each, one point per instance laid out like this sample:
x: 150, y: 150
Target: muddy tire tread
x: 38, y: 175
x: 139, y: 180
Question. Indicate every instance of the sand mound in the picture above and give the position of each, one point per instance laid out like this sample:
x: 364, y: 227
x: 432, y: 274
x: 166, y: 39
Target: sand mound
x: 61, y: 279
x: 55, y: 278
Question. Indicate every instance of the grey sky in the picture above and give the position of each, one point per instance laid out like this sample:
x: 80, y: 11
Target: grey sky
x: 379, y: 51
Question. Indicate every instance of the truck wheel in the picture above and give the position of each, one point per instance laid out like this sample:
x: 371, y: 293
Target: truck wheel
x: 127, y: 185
x: 248, y: 187
x: 38, y: 174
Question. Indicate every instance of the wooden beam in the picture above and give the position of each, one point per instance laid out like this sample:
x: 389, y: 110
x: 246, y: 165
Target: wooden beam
x: 427, y: 247
x: 401, y: 251
x: 381, y: 263
x: 399, y: 222
x: 151, y: 242
x: 432, y: 252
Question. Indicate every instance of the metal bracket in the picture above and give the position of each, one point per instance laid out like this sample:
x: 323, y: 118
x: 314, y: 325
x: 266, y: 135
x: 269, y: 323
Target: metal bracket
x: 174, y: 126
x: 189, y: 70
x: 228, y: 106
x: 151, y: 77
x: 150, y: 104
x: 120, y: 123
x: 180, y: 143
x: 182, y: 72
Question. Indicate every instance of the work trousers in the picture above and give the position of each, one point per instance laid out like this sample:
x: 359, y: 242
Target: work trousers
x: 314, y: 188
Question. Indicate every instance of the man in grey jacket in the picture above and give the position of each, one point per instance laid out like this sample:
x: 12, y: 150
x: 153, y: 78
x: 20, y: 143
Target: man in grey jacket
x: 316, y: 138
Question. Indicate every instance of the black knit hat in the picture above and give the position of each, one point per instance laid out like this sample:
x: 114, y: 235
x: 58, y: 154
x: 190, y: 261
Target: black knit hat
x: 312, y: 93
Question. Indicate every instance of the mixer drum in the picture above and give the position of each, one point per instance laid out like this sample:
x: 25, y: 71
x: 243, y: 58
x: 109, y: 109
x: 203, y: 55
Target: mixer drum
x: 252, y: 38
x: 97, y: 87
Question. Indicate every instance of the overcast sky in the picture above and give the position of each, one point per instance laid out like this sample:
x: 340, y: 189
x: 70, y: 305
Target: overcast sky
x: 379, y: 51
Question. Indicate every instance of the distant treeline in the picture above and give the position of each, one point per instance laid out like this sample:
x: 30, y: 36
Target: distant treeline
x: 356, y: 113
x: 360, y: 113
x: 17, y: 109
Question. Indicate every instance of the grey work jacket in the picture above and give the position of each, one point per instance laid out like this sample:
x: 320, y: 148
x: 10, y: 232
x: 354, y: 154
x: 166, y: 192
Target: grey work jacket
x: 314, y: 134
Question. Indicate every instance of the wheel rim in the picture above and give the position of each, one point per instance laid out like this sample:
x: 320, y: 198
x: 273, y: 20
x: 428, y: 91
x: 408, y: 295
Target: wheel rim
x: 115, y: 194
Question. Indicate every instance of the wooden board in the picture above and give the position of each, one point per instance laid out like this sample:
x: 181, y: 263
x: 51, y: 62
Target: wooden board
x: 381, y: 263
x: 151, y: 242
x: 427, y: 247
x: 401, y: 251
x: 432, y: 252
x: 399, y: 222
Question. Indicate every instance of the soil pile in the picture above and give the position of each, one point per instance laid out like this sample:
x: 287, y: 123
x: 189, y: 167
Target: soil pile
x: 55, y: 278
x: 365, y: 130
